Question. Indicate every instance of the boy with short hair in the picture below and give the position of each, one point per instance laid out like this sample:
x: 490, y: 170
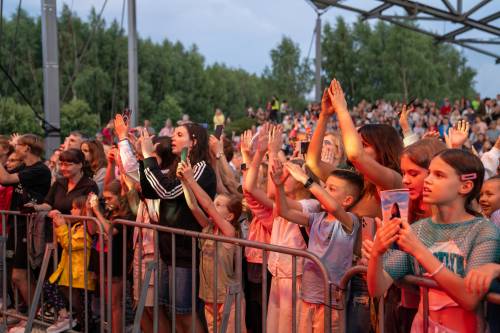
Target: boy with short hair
x: 332, y: 234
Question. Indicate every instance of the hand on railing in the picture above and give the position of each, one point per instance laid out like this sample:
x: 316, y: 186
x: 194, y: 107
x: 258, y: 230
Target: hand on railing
x: 479, y: 279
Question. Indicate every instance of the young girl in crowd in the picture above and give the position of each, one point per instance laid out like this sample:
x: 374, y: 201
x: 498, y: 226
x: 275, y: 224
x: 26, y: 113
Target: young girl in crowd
x: 223, y: 214
x: 489, y: 199
x: 81, y: 243
x: 446, y: 246
x: 116, y: 207
x: 374, y: 150
x: 331, y: 237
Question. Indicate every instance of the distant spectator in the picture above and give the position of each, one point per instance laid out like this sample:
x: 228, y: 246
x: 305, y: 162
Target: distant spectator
x: 73, y: 140
x: 148, y: 127
x: 185, y: 120
x: 492, y: 132
x: 219, y: 118
x: 168, y: 129
x: 446, y: 108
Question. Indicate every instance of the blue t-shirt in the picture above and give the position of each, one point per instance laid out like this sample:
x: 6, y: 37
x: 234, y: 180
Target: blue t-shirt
x: 334, y: 246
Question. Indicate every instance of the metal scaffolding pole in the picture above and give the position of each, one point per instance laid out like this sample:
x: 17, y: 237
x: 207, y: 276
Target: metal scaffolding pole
x: 50, y: 75
x: 318, y: 90
x: 133, y: 90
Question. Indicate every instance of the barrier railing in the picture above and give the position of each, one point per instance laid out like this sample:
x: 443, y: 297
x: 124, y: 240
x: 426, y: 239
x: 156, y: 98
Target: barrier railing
x: 424, y: 283
x: 236, y: 290
x: 50, y: 253
x: 105, y: 238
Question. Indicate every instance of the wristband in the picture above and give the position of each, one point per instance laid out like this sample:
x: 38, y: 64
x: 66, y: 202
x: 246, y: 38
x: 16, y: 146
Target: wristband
x: 308, y: 182
x: 437, y: 270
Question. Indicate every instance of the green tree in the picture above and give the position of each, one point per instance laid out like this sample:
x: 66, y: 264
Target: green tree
x: 289, y: 77
x: 77, y: 115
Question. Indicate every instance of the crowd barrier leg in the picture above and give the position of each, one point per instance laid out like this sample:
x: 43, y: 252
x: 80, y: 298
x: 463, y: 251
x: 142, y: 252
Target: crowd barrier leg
x: 264, y: 290
x: 5, y: 272
x: 142, y: 298
x: 232, y: 291
x: 239, y: 296
x: 174, y: 281
x: 194, y: 250
x: 294, y: 294
x: 425, y: 299
x: 39, y: 286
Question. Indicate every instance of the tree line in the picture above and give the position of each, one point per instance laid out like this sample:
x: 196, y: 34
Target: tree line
x: 381, y: 61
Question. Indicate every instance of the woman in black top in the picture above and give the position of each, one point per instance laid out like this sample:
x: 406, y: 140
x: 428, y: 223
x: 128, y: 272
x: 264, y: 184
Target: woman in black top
x: 174, y: 211
x: 76, y: 181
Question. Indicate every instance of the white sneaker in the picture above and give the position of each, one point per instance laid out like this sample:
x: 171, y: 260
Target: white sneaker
x: 61, y: 325
x: 19, y: 328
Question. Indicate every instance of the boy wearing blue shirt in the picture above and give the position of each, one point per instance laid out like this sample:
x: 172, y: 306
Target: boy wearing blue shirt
x: 332, y: 234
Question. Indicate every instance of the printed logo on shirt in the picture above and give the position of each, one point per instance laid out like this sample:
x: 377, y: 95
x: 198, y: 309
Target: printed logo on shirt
x: 450, y: 254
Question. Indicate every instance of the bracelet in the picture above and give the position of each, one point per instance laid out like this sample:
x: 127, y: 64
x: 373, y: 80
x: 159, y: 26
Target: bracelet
x: 437, y: 270
x: 308, y: 182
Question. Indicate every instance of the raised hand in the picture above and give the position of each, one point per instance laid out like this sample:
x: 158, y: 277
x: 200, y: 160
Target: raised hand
x: 457, y: 135
x: 337, y: 97
x: 13, y: 139
x: 326, y: 104
x: 246, y: 142
x: 216, y: 145
x: 403, y: 118
x: 387, y: 233
x: 296, y: 172
x: 263, y: 137
x: 121, y: 127
x: 277, y: 175
x: 147, y: 143
x: 275, y: 139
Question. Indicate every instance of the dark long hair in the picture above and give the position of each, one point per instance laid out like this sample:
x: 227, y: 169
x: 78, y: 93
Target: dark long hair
x: 200, y: 150
x: 386, y: 142
x: 422, y: 151
x: 98, y: 157
x: 163, y: 148
x: 76, y: 156
x: 388, y: 147
x: 465, y: 163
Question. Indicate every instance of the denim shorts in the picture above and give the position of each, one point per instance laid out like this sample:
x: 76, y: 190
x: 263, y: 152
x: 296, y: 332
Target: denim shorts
x: 183, y: 285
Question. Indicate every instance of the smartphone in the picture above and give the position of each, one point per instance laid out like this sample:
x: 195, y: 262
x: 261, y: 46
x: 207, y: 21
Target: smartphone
x: 410, y: 103
x: 304, y: 145
x: 218, y: 131
x: 126, y: 114
x: 184, y: 154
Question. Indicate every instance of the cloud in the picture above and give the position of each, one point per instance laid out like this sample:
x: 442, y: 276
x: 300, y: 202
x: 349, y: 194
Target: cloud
x: 240, y: 33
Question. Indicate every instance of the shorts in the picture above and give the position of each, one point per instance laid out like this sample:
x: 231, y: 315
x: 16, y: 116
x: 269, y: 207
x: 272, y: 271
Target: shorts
x: 183, y: 295
x: 19, y: 255
x: 162, y: 285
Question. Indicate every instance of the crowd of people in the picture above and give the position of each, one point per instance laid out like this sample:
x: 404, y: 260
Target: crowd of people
x: 307, y: 180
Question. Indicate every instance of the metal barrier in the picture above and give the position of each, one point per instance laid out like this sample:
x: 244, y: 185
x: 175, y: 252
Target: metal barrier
x: 104, y: 280
x: 50, y: 251
x: 424, y: 283
x: 236, y: 290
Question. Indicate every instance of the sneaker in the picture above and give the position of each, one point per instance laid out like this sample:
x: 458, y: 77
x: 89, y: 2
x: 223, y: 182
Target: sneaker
x: 19, y: 328
x: 62, y: 324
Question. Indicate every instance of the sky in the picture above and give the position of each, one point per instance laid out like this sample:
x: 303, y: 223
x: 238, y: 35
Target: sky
x: 241, y: 33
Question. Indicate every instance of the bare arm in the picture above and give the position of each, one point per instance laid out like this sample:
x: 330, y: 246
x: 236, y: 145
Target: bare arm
x: 193, y: 205
x: 282, y: 208
x: 7, y: 178
x: 332, y: 206
x: 384, y: 178
x: 313, y: 156
x: 204, y: 200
